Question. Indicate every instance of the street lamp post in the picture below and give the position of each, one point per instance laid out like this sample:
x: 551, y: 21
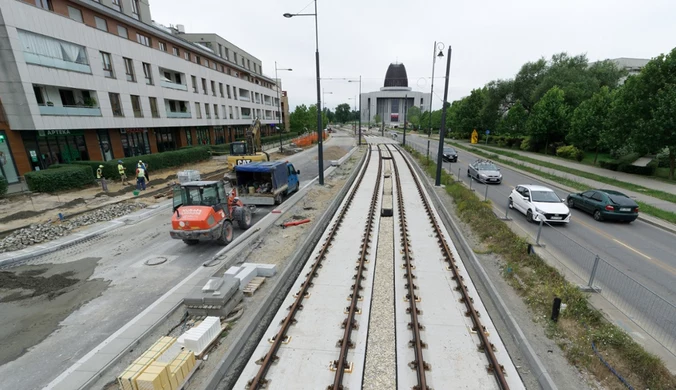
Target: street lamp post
x: 324, y: 93
x: 320, y: 135
x: 405, y: 111
x: 437, y: 46
x: 279, y: 106
x: 440, y: 161
x: 353, y: 81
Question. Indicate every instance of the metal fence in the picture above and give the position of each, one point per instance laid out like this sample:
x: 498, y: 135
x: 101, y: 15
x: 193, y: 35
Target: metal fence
x: 654, y: 314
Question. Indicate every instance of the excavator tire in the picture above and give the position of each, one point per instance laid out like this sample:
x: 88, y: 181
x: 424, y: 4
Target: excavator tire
x: 227, y: 233
x: 191, y: 242
x: 243, y: 217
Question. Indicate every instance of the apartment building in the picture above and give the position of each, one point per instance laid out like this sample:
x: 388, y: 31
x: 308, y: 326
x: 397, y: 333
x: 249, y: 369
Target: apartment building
x: 98, y: 80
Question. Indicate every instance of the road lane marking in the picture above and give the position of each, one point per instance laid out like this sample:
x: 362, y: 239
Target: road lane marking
x: 631, y: 249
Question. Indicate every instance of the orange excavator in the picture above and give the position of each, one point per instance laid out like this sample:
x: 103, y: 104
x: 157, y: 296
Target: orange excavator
x: 203, y: 211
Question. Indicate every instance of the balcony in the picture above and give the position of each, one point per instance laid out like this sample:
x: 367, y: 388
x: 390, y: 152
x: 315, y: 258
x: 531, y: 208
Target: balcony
x: 177, y: 114
x: 171, y: 85
x: 246, y: 116
x: 244, y: 98
x: 70, y: 111
x: 56, y: 63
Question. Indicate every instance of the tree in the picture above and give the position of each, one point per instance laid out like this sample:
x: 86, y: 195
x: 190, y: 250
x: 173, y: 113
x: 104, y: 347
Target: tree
x: 549, y: 119
x: 589, y: 124
x: 469, y: 114
x: 378, y: 119
x: 664, y: 122
x: 413, y: 116
x: 515, y: 121
x: 298, y: 119
x: 343, y: 113
x: 527, y: 80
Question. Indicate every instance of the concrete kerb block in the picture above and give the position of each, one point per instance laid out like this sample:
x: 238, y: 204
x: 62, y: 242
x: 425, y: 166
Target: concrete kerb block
x: 538, y: 369
x: 245, y: 276
x: 266, y: 270
x: 232, y: 271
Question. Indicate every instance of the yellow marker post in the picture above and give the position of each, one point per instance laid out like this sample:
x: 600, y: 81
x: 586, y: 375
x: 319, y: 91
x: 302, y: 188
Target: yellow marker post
x: 475, y: 137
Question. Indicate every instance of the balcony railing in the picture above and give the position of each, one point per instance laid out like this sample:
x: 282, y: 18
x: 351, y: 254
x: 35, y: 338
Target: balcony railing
x: 244, y: 98
x: 168, y: 84
x: 51, y: 62
x: 244, y: 116
x: 70, y: 111
x: 177, y: 114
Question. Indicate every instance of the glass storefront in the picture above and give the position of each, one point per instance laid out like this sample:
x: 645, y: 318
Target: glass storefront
x: 220, y: 135
x: 135, y: 142
x: 7, y: 167
x: 104, y: 143
x: 203, y: 136
x: 165, y: 140
x: 48, y: 147
x: 188, y: 136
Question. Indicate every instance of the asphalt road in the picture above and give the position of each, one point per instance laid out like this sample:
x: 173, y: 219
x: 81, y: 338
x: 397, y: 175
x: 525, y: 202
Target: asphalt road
x: 133, y: 285
x: 639, y: 249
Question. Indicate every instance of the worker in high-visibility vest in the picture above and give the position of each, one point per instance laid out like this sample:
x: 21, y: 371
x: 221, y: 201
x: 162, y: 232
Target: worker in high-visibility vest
x: 122, y: 171
x: 101, y: 179
x: 140, y: 178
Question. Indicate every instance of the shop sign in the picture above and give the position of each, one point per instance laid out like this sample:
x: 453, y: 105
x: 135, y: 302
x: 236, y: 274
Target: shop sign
x: 49, y: 133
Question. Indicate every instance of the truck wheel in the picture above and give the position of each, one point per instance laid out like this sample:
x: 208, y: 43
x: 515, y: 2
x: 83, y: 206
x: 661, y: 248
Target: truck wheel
x: 244, y: 220
x: 278, y: 199
x: 227, y: 233
x: 191, y: 242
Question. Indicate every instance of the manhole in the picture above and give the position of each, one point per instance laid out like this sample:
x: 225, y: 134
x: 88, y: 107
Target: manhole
x: 156, y: 261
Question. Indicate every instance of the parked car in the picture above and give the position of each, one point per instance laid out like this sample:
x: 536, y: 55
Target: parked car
x: 539, y: 203
x: 605, y: 205
x: 484, y: 171
x: 450, y: 155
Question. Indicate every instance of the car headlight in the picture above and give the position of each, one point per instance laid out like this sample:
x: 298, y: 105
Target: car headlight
x: 482, y: 175
x: 537, y: 210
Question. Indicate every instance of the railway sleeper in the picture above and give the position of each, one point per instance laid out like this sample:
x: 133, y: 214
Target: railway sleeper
x: 355, y: 324
x: 426, y: 366
x: 350, y: 343
x: 482, y: 348
x: 420, y: 326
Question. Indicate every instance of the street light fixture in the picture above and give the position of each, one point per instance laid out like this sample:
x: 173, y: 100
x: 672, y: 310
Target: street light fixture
x: 324, y: 93
x: 440, y: 161
x: 354, y: 81
x: 320, y: 135
x: 279, y: 106
x: 437, y: 46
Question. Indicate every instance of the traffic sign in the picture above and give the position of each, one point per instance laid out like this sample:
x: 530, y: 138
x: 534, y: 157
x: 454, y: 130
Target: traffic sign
x: 488, y: 131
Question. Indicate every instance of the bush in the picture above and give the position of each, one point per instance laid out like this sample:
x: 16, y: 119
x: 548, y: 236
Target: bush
x: 612, y: 165
x: 4, y: 186
x: 154, y: 162
x: 648, y: 170
x: 526, y: 144
x: 621, y: 151
x: 63, y: 177
x: 570, y: 152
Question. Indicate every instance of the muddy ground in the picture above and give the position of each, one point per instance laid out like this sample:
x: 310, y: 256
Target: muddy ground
x: 35, y: 299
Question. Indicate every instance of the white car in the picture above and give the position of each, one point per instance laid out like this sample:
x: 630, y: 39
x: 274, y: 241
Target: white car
x: 539, y: 203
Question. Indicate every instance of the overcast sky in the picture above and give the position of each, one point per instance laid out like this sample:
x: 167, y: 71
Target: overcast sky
x: 491, y: 39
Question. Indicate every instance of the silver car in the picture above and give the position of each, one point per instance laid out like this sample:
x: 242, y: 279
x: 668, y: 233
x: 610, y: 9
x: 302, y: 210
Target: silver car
x: 484, y: 171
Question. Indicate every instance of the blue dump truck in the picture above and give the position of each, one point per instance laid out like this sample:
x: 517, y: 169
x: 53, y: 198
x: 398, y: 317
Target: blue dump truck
x: 265, y: 182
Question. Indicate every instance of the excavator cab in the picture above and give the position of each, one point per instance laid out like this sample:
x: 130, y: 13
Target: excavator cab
x: 250, y: 150
x: 238, y: 148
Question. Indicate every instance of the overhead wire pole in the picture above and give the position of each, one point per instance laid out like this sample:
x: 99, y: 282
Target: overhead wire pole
x: 440, y: 161
x: 354, y: 81
x: 279, y: 107
x: 405, y: 111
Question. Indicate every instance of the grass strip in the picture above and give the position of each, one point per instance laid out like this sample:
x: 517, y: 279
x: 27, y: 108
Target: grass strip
x: 538, y: 284
x: 645, y: 208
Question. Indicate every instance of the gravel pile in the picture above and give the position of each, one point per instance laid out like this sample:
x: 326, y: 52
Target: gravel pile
x: 37, y: 233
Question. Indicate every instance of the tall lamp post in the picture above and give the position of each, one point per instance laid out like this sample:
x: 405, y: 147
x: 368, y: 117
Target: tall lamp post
x: 440, y: 161
x: 320, y: 135
x: 279, y: 106
x: 324, y: 93
x: 437, y: 46
x: 354, y: 81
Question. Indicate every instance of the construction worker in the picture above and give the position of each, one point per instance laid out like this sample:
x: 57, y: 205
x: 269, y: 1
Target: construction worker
x: 143, y: 165
x: 140, y: 178
x: 121, y: 170
x: 101, y: 179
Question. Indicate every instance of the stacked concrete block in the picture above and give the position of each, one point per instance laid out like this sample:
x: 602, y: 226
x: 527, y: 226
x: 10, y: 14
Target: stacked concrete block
x: 129, y: 379
x: 232, y: 271
x: 213, y: 298
x: 266, y: 270
x: 245, y: 275
x: 198, y: 338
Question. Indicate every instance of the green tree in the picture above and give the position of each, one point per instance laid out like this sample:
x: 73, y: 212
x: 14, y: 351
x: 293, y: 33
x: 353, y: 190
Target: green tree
x: 527, y: 80
x: 413, y: 116
x: 664, y: 122
x: 377, y: 119
x: 298, y: 119
x: 496, y: 95
x: 468, y: 115
x: 343, y: 113
x: 549, y: 119
x: 589, y: 123
x: 514, y: 122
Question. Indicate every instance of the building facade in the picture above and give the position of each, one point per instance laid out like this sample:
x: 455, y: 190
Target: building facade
x: 392, y: 101
x: 89, y: 80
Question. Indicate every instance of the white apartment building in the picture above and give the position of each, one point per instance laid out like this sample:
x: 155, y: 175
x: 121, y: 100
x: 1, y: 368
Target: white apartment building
x: 89, y: 80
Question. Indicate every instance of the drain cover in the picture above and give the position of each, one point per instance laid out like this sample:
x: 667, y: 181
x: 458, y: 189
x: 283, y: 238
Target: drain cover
x: 156, y: 261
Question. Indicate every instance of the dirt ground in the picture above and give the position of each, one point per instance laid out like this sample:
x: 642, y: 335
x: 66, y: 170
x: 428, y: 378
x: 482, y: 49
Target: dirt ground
x: 21, y: 210
x: 35, y: 299
x: 333, y: 153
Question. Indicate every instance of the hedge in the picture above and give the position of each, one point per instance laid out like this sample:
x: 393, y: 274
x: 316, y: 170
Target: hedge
x: 4, y: 186
x: 623, y: 164
x: 62, y: 177
x: 154, y: 162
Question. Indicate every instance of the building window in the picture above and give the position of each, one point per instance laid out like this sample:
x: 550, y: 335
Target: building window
x: 101, y: 23
x: 207, y: 111
x: 230, y: 112
x: 122, y: 31
x: 135, y: 142
x: 227, y: 53
x: 143, y: 40
x: 194, y: 83
x: 216, y: 111
x: 136, y: 106
x: 204, y: 86
x: 46, y: 148
x: 225, y: 113
x: 227, y: 87
x: 75, y: 14
x: 104, y: 144
x: 206, y: 62
x: 213, y: 87
x: 248, y: 64
x: 220, y: 89
x: 186, y: 55
x: 198, y: 110
x: 129, y: 69
x: 43, y: 50
x: 44, y: 4
x: 163, y: 46
x: 153, y: 107
x: 165, y: 140
x: 107, y: 65
x: 198, y: 60
x: 203, y: 136
x: 116, y: 2
x: 219, y: 134
x: 115, y: 104
x: 148, y: 73
x: 234, y: 56
x: 177, y: 53
x: 188, y: 137
x: 134, y: 7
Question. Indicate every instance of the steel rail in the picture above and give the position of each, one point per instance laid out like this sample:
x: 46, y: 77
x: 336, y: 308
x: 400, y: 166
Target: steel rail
x: 485, y: 345
x: 350, y: 323
x: 418, y: 345
x: 265, y: 362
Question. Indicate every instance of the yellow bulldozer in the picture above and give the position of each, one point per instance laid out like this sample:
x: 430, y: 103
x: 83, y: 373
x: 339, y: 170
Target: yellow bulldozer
x: 244, y: 152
